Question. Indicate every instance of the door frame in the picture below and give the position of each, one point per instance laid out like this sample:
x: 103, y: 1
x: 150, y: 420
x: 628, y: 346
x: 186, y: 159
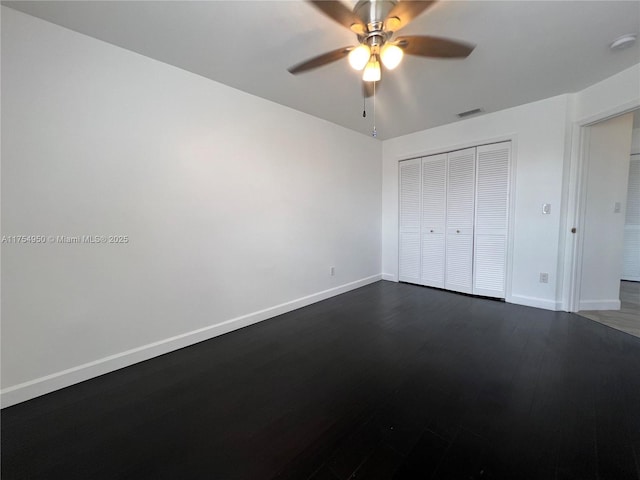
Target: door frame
x: 571, y: 263
x: 633, y: 154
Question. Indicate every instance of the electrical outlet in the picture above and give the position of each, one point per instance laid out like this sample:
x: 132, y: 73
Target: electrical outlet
x: 544, y: 278
x: 332, y: 271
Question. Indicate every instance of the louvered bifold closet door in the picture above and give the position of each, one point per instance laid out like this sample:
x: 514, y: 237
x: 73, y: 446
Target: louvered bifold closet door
x: 434, y: 195
x: 409, y: 221
x: 492, y: 214
x: 460, y: 213
x: 631, y: 251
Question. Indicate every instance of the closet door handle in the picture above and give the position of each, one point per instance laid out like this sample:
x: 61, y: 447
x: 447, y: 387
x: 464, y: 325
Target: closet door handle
x: 457, y: 231
x: 431, y: 231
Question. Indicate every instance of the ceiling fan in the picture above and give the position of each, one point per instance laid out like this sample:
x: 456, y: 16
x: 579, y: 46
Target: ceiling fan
x: 375, y: 22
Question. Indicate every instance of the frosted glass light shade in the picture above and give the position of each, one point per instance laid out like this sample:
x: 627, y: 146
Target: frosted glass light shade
x: 359, y: 56
x: 391, y: 56
x: 372, y: 70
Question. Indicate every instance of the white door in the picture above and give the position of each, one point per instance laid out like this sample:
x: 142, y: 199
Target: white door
x: 631, y: 250
x: 434, y: 195
x: 409, y: 221
x: 460, y: 217
x: 492, y: 213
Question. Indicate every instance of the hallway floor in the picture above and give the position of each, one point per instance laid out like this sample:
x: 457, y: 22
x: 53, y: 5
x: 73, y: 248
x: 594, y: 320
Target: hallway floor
x: 627, y: 319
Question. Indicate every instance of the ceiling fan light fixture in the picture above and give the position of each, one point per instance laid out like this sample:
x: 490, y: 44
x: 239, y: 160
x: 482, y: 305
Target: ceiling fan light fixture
x: 372, y: 70
x: 391, y: 55
x: 359, y: 57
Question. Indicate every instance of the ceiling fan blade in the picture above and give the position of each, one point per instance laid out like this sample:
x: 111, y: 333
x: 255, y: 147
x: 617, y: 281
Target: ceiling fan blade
x: 425, y: 46
x: 320, y: 60
x: 406, y: 11
x: 338, y: 12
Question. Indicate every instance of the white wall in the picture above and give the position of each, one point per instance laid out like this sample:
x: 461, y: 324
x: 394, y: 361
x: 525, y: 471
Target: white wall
x: 608, y: 174
x: 538, y: 130
x: 610, y: 96
x: 233, y: 205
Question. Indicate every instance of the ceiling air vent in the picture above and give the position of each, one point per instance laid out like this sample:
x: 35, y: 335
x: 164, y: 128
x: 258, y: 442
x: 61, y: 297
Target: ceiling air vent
x: 468, y: 113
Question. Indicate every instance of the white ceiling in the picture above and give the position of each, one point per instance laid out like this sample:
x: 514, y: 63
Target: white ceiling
x: 526, y: 51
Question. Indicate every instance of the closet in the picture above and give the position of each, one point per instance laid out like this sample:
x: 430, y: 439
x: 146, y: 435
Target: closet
x: 453, y: 220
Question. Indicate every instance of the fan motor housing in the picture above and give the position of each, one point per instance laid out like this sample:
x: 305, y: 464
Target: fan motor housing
x: 373, y: 12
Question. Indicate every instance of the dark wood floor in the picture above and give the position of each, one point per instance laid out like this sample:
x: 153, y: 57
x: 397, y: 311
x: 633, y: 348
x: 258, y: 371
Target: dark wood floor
x: 390, y: 381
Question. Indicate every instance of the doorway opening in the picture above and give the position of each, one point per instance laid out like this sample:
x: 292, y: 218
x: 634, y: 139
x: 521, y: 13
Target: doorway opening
x: 607, y: 280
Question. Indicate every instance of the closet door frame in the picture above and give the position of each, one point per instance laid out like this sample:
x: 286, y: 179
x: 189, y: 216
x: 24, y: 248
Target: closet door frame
x: 513, y: 138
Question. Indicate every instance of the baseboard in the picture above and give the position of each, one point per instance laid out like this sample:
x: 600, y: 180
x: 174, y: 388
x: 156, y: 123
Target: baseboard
x: 40, y: 386
x: 599, y: 305
x: 389, y: 277
x: 534, y: 302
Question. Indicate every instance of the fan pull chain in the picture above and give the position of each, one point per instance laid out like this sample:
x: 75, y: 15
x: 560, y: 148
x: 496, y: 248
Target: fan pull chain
x: 375, y: 132
x: 364, y: 105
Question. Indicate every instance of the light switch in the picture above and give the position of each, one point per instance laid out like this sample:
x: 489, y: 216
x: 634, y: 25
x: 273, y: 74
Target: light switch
x: 616, y: 207
x: 546, y: 208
